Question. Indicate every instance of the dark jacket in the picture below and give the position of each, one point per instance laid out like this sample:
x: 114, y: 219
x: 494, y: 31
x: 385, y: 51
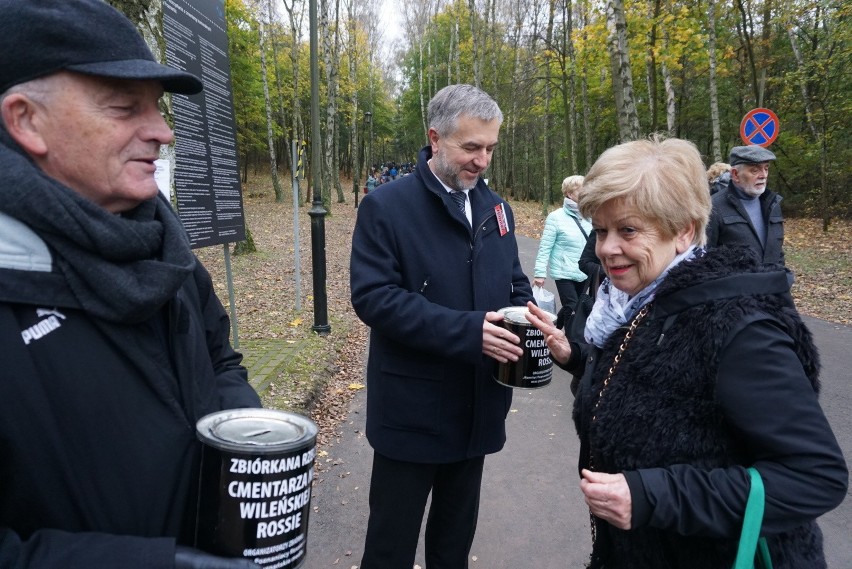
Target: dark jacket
x: 730, y: 225
x: 721, y: 375
x: 97, y: 424
x: 589, y: 262
x: 422, y: 280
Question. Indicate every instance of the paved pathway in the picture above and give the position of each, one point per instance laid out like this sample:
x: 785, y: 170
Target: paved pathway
x: 532, y: 513
x: 266, y: 359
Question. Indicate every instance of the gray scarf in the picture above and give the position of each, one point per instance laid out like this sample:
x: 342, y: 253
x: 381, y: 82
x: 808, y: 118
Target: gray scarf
x: 121, y: 268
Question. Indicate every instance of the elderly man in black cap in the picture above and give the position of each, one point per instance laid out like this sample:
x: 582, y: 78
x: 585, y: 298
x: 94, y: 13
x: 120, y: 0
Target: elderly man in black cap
x: 114, y: 343
x: 745, y: 212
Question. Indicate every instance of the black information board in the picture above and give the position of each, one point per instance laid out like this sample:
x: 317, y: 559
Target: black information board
x: 207, y: 176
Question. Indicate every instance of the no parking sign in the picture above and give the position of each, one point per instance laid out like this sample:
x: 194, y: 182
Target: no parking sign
x: 759, y: 127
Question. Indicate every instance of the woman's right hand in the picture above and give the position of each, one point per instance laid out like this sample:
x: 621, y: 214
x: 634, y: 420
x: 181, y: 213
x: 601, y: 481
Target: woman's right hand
x: 560, y: 348
x: 538, y: 281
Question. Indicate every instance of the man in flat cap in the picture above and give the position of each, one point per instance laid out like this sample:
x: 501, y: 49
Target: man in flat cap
x: 113, y: 341
x: 745, y: 212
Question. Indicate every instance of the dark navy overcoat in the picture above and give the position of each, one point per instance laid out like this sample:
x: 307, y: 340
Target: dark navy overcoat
x: 422, y: 279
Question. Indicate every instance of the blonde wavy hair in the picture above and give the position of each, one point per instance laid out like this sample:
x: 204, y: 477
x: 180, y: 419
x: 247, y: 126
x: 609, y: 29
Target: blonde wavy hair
x: 571, y: 185
x: 717, y: 169
x: 663, y: 179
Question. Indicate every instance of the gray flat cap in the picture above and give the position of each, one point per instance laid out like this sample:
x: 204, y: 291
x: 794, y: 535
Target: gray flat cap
x: 750, y: 155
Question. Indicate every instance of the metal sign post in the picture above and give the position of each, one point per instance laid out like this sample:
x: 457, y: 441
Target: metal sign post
x: 297, y: 260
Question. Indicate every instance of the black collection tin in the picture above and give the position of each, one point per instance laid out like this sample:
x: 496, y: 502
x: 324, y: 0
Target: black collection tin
x: 255, y: 485
x: 535, y: 368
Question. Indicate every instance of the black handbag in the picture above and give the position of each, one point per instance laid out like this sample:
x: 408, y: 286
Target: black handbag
x: 575, y: 321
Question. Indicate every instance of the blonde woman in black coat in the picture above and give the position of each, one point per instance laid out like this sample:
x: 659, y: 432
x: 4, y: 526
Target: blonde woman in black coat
x: 697, y: 367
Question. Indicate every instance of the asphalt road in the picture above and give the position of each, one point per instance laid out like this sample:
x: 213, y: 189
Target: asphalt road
x: 532, y: 513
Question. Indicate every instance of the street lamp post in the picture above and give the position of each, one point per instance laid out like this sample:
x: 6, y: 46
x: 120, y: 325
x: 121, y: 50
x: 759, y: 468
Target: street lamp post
x: 317, y: 212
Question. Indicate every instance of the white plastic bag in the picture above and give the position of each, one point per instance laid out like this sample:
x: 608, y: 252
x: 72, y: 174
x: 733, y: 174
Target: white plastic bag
x: 544, y: 299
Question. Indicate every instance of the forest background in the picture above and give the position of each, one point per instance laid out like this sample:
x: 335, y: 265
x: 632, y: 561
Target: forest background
x: 573, y: 77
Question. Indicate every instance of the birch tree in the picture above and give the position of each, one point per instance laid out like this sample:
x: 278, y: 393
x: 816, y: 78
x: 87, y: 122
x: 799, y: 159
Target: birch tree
x: 622, y: 77
x: 711, y: 78
x: 294, y: 18
x: 474, y: 34
x: 270, y: 134
x: 547, y: 191
x: 331, y: 58
x: 353, y: 80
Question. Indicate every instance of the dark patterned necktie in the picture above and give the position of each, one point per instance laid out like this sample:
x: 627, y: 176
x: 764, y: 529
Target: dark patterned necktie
x: 459, y: 198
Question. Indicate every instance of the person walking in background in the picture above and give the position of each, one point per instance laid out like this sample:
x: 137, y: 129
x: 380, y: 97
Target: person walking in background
x: 114, y: 343
x: 434, y: 256
x: 746, y: 212
x: 371, y: 183
x: 698, y: 367
x: 562, y: 241
x: 718, y: 176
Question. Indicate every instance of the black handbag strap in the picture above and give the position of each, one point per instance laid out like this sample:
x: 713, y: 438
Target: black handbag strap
x: 580, y: 225
x: 593, y: 282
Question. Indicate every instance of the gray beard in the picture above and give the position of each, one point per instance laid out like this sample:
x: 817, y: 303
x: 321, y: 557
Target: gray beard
x: 753, y: 192
x: 444, y: 173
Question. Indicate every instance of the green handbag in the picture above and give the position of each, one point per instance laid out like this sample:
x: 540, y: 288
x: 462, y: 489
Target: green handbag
x: 753, y: 553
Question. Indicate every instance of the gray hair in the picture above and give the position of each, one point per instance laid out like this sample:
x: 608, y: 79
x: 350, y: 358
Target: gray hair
x: 452, y: 101
x: 38, y: 89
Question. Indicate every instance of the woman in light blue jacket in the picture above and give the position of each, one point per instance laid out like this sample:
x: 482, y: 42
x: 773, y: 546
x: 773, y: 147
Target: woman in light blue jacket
x: 565, y: 234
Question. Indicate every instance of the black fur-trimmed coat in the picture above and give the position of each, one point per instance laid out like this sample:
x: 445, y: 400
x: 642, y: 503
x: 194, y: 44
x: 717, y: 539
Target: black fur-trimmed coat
x: 721, y: 375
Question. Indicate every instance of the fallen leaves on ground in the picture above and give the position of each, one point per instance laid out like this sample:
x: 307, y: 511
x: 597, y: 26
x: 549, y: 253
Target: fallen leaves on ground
x: 264, y: 285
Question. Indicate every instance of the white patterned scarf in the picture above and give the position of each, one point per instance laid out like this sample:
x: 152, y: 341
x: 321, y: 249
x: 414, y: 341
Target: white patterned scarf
x: 614, y: 308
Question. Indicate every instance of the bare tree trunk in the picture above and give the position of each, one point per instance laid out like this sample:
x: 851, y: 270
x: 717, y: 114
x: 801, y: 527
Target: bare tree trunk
x: 295, y: 18
x: 588, y: 133
x: 747, y: 33
x: 279, y: 97
x: 671, y: 101
x: 353, y: 80
x: 764, y: 49
x: 451, y: 53
x: 270, y: 135
x: 568, y: 65
x: 333, y: 93
x: 417, y: 16
x: 547, y: 191
x: 496, y: 47
x: 330, y: 60
x: 622, y: 77
x: 477, y: 72
x: 816, y: 133
x: 651, y: 61
x: 515, y: 87
x: 714, y: 97
x: 420, y: 90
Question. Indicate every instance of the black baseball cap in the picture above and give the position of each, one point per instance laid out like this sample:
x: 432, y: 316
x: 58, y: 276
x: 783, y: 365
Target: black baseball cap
x: 40, y: 37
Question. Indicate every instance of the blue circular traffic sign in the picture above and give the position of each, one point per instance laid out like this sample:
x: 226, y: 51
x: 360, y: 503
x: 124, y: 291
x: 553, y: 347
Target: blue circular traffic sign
x: 759, y: 127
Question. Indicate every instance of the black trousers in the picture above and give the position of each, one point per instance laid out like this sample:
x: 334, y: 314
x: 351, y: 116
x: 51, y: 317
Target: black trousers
x: 398, y: 495
x: 569, y: 291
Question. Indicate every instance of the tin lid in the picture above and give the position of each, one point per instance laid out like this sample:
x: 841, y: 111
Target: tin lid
x: 258, y: 430
x: 518, y: 315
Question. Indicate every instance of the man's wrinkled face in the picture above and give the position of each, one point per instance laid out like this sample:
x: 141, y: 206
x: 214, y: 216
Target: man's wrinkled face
x: 460, y: 158
x: 102, y: 138
x: 751, y: 178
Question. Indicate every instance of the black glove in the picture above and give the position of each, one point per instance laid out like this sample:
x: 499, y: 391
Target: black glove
x: 189, y: 558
